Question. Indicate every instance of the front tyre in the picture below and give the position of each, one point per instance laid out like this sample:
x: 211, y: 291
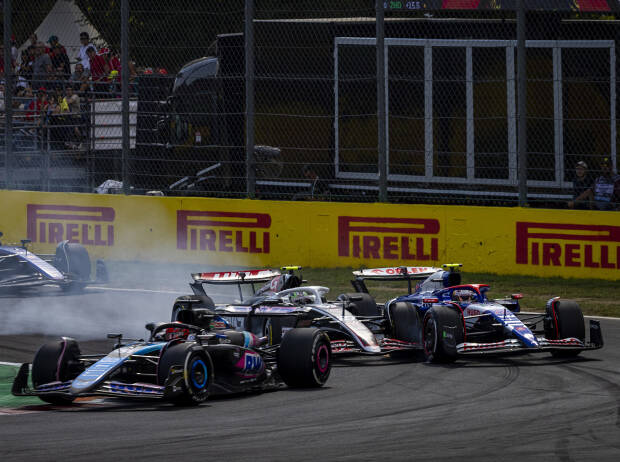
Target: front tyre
x: 442, y: 331
x: 304, y: 358
x: 56, y: 362
x: 564, y: 319
x: 193, y: 371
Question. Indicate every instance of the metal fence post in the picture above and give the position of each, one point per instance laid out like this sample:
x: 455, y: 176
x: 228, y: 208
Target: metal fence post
x: 381, y: 115
x: 125, y: 93
x: 8, y: 97
x: 249, y: 99
x: 522, y: 104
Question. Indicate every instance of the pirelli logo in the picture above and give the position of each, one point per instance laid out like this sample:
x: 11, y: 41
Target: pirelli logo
x: 569, y: 245
x: 83, y: 225
x: 388, y: 238
x: 223, y: 231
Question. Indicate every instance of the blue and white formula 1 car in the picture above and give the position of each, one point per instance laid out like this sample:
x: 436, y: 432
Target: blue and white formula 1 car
x: 69, y: 268
x: 181, y: 363
x: 450, y: 319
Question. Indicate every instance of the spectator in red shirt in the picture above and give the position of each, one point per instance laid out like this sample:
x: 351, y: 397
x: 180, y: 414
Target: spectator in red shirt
x: 37, y: 107
x: 99, y: 70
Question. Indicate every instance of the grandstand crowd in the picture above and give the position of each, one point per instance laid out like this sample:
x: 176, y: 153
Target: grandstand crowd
x: 52, y: 90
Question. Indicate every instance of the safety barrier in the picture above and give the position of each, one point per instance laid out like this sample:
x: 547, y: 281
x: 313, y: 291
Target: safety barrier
x: 234, y: 232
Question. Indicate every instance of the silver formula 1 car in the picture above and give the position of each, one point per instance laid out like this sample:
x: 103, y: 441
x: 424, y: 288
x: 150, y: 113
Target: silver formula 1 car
x: 69, y: 268
x: 277, y: 303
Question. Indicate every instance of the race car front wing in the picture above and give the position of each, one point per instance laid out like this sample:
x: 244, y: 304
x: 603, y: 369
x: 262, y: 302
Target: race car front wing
x: 107, y: 388
x: 544, y: 344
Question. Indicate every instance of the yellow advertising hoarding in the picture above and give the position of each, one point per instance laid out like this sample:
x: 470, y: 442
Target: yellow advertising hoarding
x: 236, y: 232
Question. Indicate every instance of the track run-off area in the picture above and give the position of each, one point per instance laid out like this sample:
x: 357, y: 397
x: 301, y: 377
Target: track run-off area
x: 532, y: 407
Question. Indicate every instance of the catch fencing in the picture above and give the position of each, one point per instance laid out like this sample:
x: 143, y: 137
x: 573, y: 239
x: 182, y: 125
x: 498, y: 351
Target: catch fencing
x: 451, y: 102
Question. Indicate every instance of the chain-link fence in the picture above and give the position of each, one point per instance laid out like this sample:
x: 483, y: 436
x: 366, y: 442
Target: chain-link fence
x: 294, y: 100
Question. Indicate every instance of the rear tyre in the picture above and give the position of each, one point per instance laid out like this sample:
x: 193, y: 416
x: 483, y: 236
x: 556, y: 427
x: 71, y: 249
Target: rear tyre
x: 56, y: 362
x: 442, y: 331
x: 304, y: 358
x: 197, y: 372
x: 364, y: 307
x: 564, y: 319
x: 72, y: 260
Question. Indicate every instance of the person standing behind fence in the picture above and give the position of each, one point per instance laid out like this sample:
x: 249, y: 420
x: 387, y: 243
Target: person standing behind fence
x: 581, y: 183
x: 99, y: 71
x: 83, y: 56
x: 60, y: 62
x: 80, y: 79
x: 42, y: 67
x: 72, y: 101
x: 606, y: 188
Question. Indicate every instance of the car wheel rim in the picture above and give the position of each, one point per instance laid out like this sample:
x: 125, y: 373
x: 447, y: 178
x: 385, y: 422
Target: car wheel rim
x: 322, y: 359
x: 199, y: 374
x: 429, y: 336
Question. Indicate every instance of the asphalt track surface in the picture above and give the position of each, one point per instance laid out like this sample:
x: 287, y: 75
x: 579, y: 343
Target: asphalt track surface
x: 529, y: 407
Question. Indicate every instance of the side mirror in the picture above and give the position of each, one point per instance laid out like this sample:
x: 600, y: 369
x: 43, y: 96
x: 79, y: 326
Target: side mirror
x: 118, y: 336
x: 150, y: 326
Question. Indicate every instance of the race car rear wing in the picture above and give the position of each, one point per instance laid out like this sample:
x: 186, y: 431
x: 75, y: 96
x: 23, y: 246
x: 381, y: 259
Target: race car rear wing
x: 236, y: 277
x: 402, y: 273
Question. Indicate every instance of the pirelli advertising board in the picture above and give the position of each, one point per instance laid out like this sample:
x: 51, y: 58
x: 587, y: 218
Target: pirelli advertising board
x: 266, y: 233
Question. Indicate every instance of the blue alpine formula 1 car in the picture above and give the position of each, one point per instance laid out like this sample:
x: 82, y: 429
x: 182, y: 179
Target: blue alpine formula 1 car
x: 180, y: 363
x: 448, y: 319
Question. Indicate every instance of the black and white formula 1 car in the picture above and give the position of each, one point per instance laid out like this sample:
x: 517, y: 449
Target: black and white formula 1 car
x: 448, y: 319
x: 69, y: 268
x: 354, y: 323
x: 180, y: 363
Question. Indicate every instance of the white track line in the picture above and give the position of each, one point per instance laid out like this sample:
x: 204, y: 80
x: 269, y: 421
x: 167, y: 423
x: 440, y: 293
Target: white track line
x: 2, y: 363
x: 119, y: 289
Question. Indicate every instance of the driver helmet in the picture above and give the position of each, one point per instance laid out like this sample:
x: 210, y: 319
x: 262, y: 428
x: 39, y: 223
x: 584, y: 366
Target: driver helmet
x: 172, y: 333
x: 462, y: 295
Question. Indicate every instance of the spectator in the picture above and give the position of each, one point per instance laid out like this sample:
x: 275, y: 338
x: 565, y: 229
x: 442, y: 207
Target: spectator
x: 581, y: 183
x: 83, y: 56
x: 42, y: 67
x: 33, y: 40
x: 14, y: 50
x: 74, y: 119
x: 606, y: 188
x: 80, y: 79
x: 53, y: 41
x: 98, y: 70
x: 60, y: 62
x: 37, y: 107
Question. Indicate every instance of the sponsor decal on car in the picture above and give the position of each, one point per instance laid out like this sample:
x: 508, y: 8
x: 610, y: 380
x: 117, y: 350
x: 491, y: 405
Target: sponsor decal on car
x: 84, y: 225
x: 235, y: 232
x: 388, y: 238
x: 568, y: 245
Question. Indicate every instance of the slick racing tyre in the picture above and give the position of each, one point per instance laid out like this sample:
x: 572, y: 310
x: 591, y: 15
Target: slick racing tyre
x: 304, y: 358
x: 564, y: 319
x: 72, y: 260
x: 194, y: 372
x: 56, y: 362
x: 364, y: 307
x: 405, y: 322
x: 442, y: 331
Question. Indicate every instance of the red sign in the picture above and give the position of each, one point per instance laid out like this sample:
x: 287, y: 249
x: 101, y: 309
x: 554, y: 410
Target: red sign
x: 569, y: 245
x: 207, y: 231
x: 84, y: 225
x: 388, y: 238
